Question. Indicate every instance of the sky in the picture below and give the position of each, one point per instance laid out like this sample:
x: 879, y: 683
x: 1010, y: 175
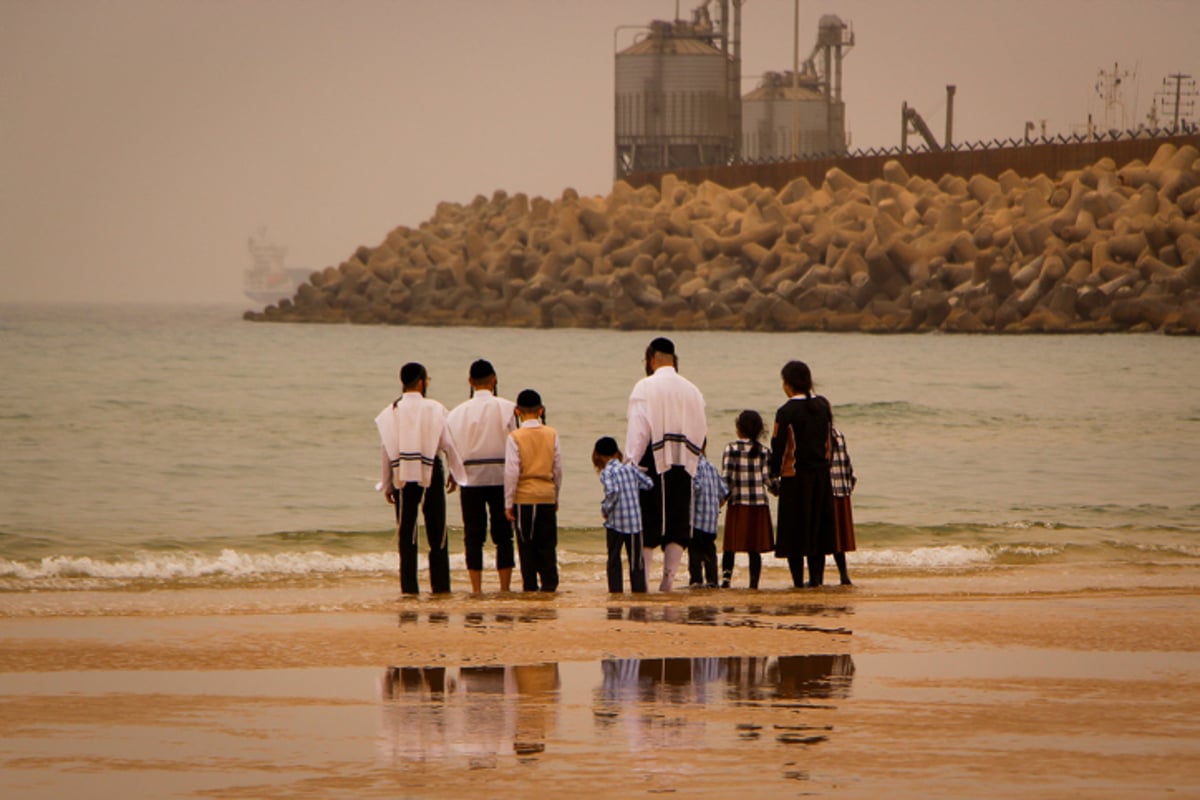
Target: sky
x: 142, y: 142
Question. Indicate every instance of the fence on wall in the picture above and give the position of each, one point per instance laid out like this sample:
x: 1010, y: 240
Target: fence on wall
x: 1050, y: 156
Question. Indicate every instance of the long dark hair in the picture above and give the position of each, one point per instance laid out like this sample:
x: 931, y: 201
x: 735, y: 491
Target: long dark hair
x: 750, y: 424
x: 797, y: 375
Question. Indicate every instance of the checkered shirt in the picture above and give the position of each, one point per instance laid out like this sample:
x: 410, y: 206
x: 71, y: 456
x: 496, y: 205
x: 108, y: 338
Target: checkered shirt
x: 708, y: 490
x: 746, y: 473
x: 620, y: 506
x: 841, y: 472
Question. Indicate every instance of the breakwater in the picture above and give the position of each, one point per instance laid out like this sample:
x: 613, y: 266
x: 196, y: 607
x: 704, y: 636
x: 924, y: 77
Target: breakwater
x: 1108, y: 247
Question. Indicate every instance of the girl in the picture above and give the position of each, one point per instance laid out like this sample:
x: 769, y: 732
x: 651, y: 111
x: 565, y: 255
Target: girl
x: 748, y: 517
x: 841, y: 473
x: 800, y: 461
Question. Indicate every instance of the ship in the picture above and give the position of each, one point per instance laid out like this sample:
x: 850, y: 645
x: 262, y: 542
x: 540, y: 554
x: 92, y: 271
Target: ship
x: 269, y: 280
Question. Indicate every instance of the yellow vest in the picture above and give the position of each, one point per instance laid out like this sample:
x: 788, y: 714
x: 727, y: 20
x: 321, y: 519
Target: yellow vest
x: 535, y: 486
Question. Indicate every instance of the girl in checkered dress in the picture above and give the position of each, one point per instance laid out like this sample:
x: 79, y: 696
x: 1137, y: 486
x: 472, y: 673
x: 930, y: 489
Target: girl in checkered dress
x: 748, y: 516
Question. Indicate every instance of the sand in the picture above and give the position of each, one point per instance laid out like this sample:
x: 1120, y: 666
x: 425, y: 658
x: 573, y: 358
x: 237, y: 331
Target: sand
x: 1030, y: 687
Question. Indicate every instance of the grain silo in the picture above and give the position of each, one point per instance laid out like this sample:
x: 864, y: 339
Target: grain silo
x: 800, y: 112
x: 677, y: 93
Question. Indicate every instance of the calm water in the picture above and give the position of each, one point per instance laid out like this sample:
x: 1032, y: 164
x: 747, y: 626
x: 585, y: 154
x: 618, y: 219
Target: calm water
x: 148, y: 444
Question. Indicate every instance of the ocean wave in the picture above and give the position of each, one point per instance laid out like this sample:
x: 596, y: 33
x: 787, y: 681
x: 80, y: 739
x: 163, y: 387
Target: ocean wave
x: 182, y: 566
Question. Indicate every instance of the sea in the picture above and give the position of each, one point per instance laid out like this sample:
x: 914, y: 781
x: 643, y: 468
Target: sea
x: 148, y: 447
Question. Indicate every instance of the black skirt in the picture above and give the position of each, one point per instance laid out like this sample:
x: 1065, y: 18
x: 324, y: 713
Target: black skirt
x: 804, y: 525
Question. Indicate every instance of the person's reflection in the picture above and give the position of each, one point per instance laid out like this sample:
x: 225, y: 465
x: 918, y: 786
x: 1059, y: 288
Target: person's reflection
x: 536, y: 687
x: 817, y: 676
x: 638, y: 695
x: 483, y: 712
x: 414, y: 718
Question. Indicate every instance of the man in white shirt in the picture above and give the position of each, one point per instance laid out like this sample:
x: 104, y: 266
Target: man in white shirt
x: 413, y: 433
x: 479, y: 428
x: 667, y: 430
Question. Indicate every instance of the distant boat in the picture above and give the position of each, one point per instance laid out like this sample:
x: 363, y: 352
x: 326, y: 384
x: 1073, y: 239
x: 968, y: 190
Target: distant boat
x: 268, y: 280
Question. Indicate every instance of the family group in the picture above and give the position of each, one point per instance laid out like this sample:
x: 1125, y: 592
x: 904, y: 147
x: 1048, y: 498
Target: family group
x: 661, y: 493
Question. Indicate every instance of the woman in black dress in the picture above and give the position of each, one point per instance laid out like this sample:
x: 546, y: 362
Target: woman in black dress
x: 800, y: 461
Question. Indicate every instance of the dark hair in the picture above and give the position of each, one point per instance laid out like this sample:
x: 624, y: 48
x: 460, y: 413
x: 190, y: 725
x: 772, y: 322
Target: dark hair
x: 480, y: 369
x: 606, y: 446
x: 412, y: 372
x: 528, y: 399
x: 750, y: 424
x: 797, y: 375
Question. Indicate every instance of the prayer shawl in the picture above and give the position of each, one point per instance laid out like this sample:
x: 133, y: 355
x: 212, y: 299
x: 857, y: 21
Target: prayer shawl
x: 480, y: 428
x: 666, y: 414
x: 413, y: 432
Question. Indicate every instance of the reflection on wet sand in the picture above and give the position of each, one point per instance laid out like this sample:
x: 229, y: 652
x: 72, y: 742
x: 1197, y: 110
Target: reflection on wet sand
x: 733, y: 616
x: 474, y: 713
x: 479, y: 714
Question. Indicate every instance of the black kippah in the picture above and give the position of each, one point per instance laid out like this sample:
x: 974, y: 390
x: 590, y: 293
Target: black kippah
x: 528, y: 398
x: 663, y: 345
x: 606, y: 446
x: 481, y: 369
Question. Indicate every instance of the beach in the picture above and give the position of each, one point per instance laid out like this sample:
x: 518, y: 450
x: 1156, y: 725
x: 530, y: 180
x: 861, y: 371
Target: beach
x: 998, y: 686
x: 199, y: 594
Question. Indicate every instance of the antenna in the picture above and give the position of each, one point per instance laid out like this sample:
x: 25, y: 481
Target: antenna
x: 1110, y: 87
x: 1177, y: 102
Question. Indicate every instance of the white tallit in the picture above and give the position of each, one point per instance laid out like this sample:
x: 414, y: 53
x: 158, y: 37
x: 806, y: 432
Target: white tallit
x: 666, y: 413
x: 413, y: 432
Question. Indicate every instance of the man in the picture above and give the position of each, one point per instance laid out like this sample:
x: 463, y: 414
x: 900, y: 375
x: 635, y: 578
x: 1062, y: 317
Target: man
x: 413, y: 433
x: 666, y: 432
x: 479, y: 428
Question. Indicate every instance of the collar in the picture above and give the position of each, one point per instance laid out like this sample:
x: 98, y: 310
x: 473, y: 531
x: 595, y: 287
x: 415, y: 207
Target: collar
x: 482, y: 393
x: 531, y: 423
x: 799, y: 397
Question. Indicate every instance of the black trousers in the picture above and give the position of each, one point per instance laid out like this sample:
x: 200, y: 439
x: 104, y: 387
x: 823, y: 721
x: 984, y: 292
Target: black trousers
x: 632, y: 544
x: 669, y: 521
x: 702, y: 559
x: 431, y: 502
x: 537, y: 546
x: 478, y: 504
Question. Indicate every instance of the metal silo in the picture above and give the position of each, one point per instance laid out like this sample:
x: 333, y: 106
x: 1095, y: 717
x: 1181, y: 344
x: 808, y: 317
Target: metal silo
x: 677, y: 92
x: 781, y: 100
x: 800, y: 112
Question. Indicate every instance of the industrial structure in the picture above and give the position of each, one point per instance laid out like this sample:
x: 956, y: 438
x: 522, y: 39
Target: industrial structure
x: 679, y: 104
x: 677, y: 93
x: 800, y: 112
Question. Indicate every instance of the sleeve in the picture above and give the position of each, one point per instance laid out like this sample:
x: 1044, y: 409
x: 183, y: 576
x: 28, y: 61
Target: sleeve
x: 770, y: 482
x: 637, y: 433
x: 610, y: 496
x: 645, y: 482
x: 386, y: 476
x: 512, y: 470
x: 778, y: 443
x: 453, y: 459
x: 725, y: 454
x: 722, y: 486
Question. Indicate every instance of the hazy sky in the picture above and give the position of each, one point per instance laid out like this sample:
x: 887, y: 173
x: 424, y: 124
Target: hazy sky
x: 143, y: 141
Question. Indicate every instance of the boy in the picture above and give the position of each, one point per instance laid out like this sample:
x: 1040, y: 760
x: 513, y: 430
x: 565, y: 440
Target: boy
x: 622, y: 513
x: 709, y: 493
x: 532, y: 479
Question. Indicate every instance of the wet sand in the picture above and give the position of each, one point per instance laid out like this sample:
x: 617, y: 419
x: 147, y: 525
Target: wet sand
x: 995, y: 687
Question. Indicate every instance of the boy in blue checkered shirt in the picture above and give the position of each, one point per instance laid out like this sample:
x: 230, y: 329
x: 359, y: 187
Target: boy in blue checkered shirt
x: 709, y: 493
x: 622, y: 513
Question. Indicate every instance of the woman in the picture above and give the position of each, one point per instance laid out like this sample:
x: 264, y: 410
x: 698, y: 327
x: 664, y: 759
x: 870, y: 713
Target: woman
x: 800, y: 461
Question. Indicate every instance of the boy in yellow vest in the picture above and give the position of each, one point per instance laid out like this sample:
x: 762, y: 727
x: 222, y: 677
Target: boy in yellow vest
x: 532, y: 478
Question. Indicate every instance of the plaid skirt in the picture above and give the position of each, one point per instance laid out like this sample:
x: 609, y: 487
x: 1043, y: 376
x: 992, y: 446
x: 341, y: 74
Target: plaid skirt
x: 748, y: 529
